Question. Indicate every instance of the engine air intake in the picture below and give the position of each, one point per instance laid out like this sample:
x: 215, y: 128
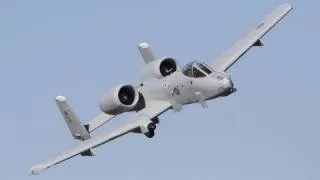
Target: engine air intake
x: 168, y: 66
x: 126, y: 95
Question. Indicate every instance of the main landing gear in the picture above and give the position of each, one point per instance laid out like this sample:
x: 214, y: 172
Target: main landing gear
x: 151, y: 128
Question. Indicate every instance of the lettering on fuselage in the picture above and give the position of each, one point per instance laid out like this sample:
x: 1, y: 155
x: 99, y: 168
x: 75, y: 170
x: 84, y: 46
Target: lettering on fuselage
x: 176, y: 90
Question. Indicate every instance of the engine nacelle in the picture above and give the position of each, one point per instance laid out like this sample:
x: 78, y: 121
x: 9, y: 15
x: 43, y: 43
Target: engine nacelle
x: 121, y: 98
x: 160, y: 68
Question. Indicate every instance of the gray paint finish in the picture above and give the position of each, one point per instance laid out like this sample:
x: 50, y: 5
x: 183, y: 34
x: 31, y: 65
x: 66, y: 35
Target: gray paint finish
x: 172, y: 91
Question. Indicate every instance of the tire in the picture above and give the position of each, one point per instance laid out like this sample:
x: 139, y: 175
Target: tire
x: 149, y: 134
x: 152, y: 126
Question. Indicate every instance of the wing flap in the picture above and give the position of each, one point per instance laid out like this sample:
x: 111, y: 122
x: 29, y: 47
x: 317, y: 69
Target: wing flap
x: 154, y: 108
x: 252, y: 39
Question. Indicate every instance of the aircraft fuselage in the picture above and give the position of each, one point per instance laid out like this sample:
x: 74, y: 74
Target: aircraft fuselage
x: 180, y: 89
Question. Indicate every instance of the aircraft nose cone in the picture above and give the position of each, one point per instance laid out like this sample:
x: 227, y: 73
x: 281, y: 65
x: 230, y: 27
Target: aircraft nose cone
x: 227, y: 83
x: 227, y: 86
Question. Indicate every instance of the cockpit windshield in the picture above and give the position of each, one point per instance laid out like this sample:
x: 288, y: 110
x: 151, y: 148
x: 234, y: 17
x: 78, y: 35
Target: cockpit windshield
x: 196, y: 70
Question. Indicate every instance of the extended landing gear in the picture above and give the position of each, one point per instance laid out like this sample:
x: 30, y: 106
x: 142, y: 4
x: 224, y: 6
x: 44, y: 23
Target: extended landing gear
x: 155, y: 120
x: 149, y: 134
x: 151, y: 128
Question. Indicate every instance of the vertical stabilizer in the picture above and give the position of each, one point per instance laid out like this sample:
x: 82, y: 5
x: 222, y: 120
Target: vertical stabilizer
x: 75, y: 126
x: 146, y: 52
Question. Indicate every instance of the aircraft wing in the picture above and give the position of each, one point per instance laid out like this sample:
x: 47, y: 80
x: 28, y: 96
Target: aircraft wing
x: 153, y: 109
x: 252, y: 39
x: 98, y: 121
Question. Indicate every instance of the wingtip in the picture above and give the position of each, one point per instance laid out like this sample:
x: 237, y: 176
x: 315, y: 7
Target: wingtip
x: 34, y: 170
x: 287, y: 6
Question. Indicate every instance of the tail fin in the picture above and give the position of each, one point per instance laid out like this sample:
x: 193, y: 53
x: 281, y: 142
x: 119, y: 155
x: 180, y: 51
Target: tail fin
x: 146, y: 52
x: 77, y: 129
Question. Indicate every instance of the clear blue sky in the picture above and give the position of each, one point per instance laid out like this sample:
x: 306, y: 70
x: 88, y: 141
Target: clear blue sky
x: 268, y: 130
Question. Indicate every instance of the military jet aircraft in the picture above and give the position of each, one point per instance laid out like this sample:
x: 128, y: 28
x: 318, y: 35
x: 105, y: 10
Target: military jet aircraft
x: 164, y: 85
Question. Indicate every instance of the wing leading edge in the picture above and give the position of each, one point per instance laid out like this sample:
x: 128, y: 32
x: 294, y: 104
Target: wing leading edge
x: 153, y: 109
x: 252, y: 39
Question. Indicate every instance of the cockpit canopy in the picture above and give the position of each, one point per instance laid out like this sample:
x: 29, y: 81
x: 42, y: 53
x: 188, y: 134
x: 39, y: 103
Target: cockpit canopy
x: 197, y: 70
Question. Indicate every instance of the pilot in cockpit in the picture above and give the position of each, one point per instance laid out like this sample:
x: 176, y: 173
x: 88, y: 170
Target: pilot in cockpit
x: 197, y: 70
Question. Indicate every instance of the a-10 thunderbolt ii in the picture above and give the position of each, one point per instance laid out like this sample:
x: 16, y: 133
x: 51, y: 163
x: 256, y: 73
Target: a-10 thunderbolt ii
x: 164, y: 85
